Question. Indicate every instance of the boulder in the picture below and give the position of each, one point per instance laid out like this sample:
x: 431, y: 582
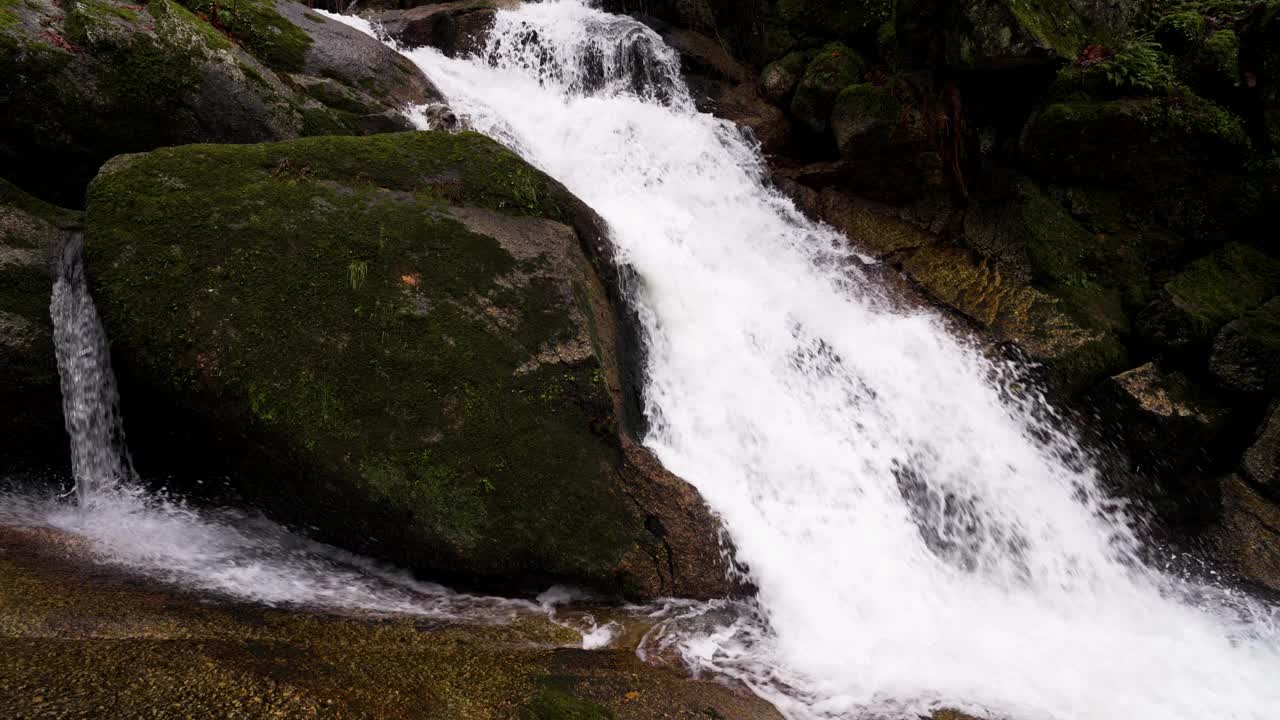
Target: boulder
x: 779, y: 79
x: 31, y: 428
x: 413, y: 343
x: 1168, y: 428
x: 1247, y: 538
x: 455, y: 28
x: 832, y: 68
x: 1208, y: 294
x: 724, y: 87
x: 385, y: 79
x: 1246, y: 353
x: 81, y: 82
x: 1261, y: 462
x: 885, y: 141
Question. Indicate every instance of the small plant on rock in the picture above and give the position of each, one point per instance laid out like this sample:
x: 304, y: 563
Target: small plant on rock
x: 1137, y: 65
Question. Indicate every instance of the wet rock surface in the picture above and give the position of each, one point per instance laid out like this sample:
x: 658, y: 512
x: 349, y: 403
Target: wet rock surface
x: 84, y: 640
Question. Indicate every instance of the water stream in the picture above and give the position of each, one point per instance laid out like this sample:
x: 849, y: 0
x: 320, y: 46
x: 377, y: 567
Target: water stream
x: 921, y: 534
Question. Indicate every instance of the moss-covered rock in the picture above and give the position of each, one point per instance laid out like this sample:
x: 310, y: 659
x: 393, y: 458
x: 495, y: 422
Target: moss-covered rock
x: 1246, y: 353
x: 31, y: 434
x: 885, y: 142
x: 1184, y: 156
x: 989, y: 33
x: 86, y: 80
x: 1152, y: 142
x: 832, y: 68
x: 398, y: 340
x: 779, y: 79
x: 1208, y: 294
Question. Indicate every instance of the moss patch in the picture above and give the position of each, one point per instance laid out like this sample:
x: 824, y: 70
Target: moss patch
x: 1218, y: 288
x: 260, y: 29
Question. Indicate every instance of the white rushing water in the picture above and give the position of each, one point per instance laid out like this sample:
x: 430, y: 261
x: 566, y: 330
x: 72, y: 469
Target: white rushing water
x: 919, y: 537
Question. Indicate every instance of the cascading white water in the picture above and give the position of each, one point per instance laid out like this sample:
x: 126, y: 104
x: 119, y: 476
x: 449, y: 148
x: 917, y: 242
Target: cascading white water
x: 919, y: 537
x: 90, y: 403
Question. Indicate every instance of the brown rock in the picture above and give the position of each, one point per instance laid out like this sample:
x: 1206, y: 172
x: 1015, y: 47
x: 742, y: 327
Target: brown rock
x: 455, y: 28
x: 1247, y: 538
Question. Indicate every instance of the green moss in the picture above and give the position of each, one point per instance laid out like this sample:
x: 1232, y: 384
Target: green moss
x: 1052, y: 22
x: 1220, y: 287
x: 328, y: 121
x: 224, y: 275
x: 555, y: 704
x: 256, y: 26
x: 1222, y: 58
x: 832, y: 68
x: 314, y: 18
x: 1181, y: 32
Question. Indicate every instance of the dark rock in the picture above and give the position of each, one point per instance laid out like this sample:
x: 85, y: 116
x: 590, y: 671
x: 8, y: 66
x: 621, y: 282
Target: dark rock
x: 1168, y: 429
x: 1149, y: 144
x: 779, y: 79
x: 455, y: 28
x: 357, y: 62
x: 1247, y: 538
x: 409, y: 342
x: 1246, y: 353
x: 1261, y: 462
x: 1208, y: 294
x: 31, y: 428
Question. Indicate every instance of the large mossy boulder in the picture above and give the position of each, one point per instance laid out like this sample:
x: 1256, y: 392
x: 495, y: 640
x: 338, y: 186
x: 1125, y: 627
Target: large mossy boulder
x: 84, y: 80
x: 31, y: 427
x: 408, y: 342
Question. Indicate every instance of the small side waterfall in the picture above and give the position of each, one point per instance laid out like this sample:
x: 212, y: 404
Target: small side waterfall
x: 90, y: 402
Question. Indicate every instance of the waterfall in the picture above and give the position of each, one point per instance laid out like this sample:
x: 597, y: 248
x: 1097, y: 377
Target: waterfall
x: 90, y: 403
x: 922, y: 534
